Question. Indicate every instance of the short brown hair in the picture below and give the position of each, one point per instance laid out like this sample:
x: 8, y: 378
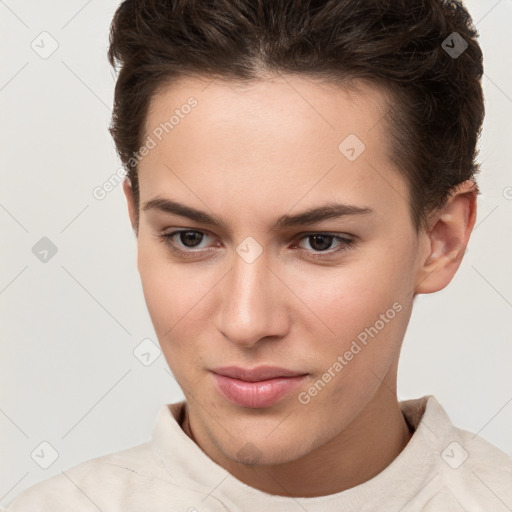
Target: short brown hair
x: 437, y: 111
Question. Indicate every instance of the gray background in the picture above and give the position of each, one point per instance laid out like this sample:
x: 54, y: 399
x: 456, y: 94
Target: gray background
x: 68, y: 373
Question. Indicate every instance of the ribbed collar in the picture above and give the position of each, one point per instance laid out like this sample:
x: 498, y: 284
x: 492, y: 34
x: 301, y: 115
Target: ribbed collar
x: 395, y: 486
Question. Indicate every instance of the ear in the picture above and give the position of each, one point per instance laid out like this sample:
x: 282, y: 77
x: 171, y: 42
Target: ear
x: 132, y: 209
x: 447, y: 238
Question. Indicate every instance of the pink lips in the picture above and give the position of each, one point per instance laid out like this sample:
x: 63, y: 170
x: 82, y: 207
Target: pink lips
x: 256, y: 388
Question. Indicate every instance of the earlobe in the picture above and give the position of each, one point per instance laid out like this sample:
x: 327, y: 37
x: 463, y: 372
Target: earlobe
x: 128, y: 192
x: 448, y: 238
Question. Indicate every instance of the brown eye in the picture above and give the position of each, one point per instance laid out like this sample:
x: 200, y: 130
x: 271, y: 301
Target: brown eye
x: 184, y: 242
x: 190, y: 238
x: 320, y: 243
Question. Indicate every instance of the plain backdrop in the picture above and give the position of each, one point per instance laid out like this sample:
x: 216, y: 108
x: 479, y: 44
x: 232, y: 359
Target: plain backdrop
x: 70, y: 324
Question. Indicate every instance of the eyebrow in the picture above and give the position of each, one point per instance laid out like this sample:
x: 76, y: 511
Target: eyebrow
x: 317, y: 214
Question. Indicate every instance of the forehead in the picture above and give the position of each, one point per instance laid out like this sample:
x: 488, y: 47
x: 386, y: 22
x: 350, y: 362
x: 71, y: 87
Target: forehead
x: 275, y: 140
x: 300, y: 105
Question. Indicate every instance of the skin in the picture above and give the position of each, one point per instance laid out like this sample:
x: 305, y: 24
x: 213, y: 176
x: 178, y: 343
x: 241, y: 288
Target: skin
x: 248, y: 155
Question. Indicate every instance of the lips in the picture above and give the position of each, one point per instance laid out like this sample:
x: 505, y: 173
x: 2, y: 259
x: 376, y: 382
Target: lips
x: 256, y: 388
x: 258, y: 374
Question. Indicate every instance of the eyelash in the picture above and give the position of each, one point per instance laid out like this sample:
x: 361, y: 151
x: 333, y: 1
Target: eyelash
x: 345, y: 244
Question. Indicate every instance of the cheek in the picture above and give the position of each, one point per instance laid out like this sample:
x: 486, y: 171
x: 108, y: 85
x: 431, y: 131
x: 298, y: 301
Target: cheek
x: 178, y: 299
x: 353, y: 295
x: 366, y: 327
x: 361, y: 311
x: 173, y: 297
x: 169, y: 291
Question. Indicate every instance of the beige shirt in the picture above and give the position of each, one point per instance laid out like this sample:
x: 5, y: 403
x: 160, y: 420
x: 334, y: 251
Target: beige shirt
x: 442, y: 468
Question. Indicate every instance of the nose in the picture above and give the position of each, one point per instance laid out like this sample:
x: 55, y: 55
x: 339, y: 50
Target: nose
x: 253, y: 303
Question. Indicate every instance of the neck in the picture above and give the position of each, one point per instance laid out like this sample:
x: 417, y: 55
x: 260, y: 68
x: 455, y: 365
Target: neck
x: 357, y: 454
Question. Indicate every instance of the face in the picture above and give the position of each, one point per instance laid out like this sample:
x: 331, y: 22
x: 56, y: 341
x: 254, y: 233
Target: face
x: 318, y: 295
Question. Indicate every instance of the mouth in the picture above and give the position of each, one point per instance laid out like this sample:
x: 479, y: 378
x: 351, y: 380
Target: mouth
x: 258, y: 387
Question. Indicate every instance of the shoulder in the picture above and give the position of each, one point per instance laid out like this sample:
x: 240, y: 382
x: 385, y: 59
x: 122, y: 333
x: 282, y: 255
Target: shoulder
x: 476, y: 473
x: 99, y: 481
x: 473, y: 466
x: 136, y: 478
x: 467, y: 472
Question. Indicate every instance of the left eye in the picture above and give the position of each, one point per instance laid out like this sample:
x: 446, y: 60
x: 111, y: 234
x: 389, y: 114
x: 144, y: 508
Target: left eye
x: 189, y: 241
x: 321, y: 242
